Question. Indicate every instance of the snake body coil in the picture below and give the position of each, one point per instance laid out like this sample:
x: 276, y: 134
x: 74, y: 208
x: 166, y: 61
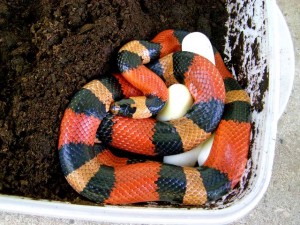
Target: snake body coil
x: 219, y: 104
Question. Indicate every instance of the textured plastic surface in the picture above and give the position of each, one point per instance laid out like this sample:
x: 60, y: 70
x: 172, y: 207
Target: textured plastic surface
x: 277, y: 58
x: 287, y: 64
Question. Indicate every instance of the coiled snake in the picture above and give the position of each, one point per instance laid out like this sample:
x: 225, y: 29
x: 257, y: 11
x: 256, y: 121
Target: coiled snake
x: 115, y: 111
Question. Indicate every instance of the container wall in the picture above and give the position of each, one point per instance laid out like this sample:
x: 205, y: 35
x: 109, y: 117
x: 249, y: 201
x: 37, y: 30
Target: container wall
x: 246, y: 55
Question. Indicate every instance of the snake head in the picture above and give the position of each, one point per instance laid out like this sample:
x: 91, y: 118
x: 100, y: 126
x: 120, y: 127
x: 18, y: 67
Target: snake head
x: 124, y: 107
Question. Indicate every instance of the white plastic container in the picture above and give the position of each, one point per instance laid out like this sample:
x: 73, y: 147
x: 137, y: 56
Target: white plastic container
x: 274, y: 65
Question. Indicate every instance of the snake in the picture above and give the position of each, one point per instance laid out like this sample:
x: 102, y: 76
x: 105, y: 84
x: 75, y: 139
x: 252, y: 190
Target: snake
x: 116, y: 112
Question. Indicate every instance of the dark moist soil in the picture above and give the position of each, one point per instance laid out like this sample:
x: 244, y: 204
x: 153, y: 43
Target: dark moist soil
x: 48, y: 50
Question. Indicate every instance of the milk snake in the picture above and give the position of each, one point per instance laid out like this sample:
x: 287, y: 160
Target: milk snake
x: 116, y: 112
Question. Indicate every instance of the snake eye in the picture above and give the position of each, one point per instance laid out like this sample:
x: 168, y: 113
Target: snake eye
x: 115, y: 109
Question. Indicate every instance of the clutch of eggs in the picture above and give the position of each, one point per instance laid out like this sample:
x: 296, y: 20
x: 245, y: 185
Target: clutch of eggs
x: 180, y: 100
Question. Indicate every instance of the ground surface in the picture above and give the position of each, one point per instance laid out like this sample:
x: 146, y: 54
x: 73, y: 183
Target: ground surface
x: 280, y: 205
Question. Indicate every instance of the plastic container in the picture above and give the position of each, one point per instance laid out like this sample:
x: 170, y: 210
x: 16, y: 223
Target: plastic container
x: 267, y: 68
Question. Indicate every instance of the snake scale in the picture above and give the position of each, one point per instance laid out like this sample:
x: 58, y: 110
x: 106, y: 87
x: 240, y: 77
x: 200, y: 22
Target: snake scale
x: 117, y: 112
